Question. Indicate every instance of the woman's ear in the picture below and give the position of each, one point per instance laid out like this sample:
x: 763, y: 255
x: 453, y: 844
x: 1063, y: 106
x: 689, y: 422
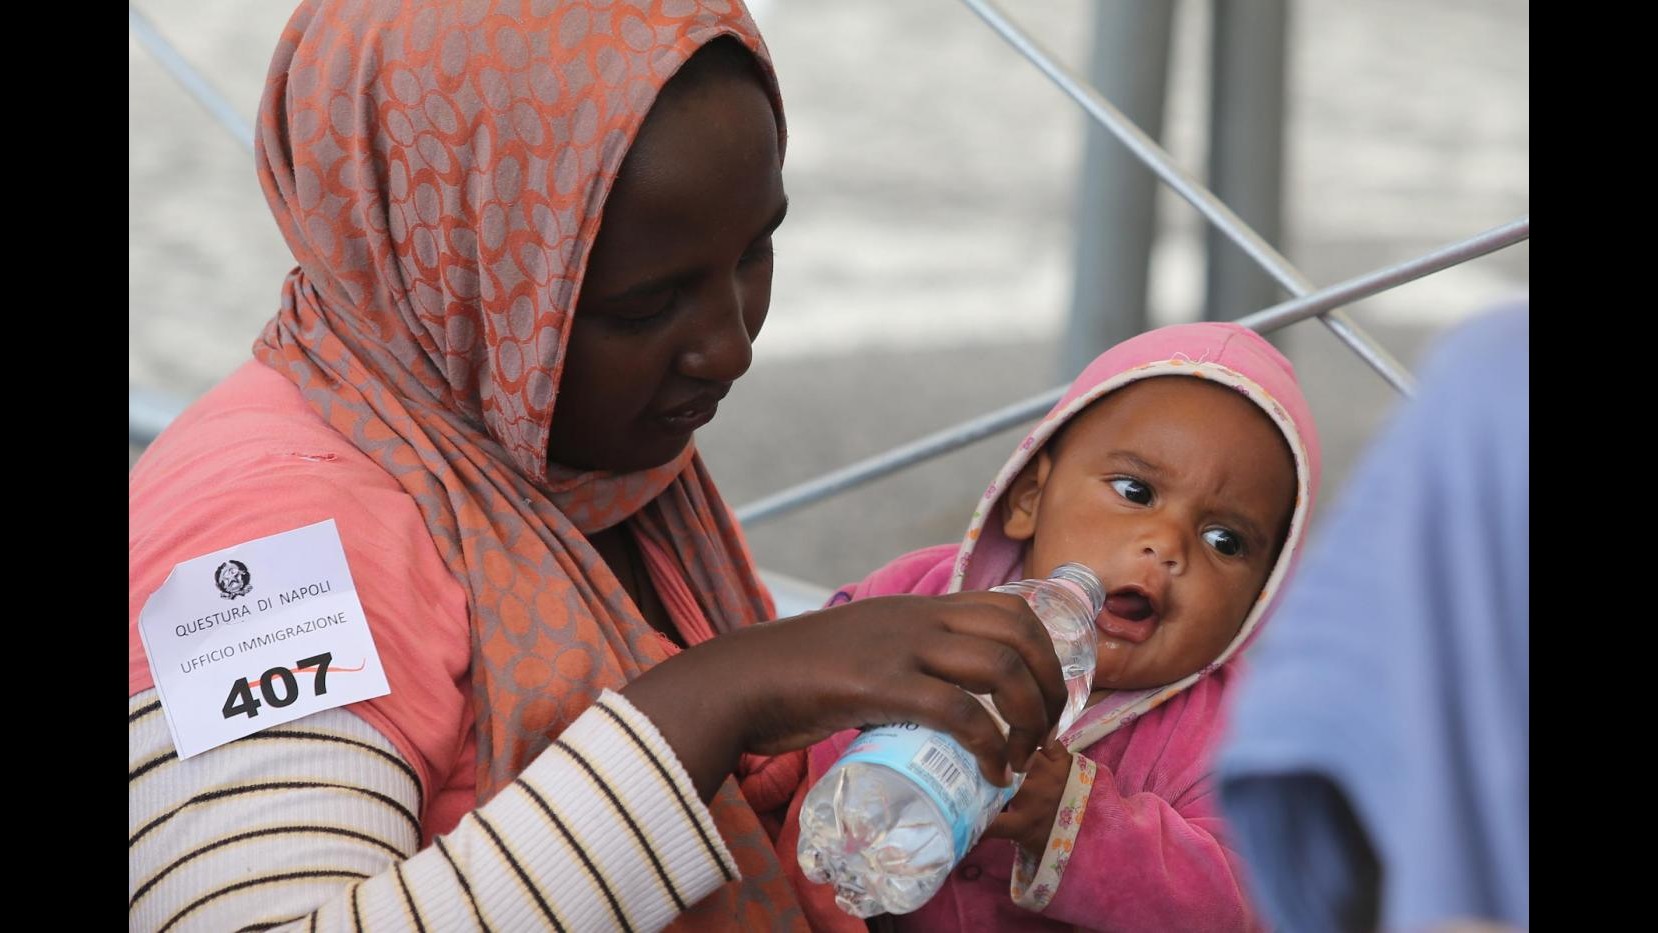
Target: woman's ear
x: 1023, y: 496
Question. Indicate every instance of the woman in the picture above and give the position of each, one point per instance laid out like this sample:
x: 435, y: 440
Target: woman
x: 492, y: 395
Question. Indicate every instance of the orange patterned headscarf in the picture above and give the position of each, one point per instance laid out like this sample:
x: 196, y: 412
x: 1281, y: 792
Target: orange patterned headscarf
x: 438, y: 169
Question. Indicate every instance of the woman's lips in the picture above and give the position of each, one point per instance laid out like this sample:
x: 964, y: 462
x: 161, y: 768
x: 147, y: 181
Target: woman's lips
x: 691, y: 417
x: 694, y: 412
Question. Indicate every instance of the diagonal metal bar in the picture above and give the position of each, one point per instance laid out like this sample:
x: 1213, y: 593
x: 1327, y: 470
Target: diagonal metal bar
x: 891, y: 461
x: 182, y: 71
x: 1371, y: 283
x: 1160, y: 162
x: 149, y: 412
x: 960, y: 435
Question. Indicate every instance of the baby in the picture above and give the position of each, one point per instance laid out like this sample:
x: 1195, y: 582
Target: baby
x: 1180, y: 467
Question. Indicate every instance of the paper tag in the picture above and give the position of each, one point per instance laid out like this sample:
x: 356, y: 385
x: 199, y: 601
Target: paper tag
x: 257, y: 635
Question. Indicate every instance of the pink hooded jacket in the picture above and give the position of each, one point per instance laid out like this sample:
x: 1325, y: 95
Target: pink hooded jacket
x: 1138, y: 842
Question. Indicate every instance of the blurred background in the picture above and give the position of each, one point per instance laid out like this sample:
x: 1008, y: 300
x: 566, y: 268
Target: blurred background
x: 941, y: 195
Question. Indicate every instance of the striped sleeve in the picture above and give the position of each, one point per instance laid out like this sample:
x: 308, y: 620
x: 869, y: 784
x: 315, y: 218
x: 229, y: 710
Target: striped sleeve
x: 314, y: 825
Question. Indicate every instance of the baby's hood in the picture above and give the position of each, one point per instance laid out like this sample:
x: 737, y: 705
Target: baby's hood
x: 1224, y: 353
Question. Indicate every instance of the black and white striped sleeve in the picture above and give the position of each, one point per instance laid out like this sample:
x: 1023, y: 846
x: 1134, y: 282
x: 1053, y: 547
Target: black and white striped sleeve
x: 315, y: 825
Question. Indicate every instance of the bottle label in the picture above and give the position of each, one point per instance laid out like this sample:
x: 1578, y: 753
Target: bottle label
x: 937, y: 764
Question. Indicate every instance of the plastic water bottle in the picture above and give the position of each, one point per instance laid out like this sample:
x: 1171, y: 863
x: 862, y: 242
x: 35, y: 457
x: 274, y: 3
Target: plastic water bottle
x: 905, y: 803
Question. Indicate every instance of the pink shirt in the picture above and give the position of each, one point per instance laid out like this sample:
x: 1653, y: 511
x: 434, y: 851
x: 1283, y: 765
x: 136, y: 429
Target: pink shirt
x: 1150, y: 850
x: 251, y: 459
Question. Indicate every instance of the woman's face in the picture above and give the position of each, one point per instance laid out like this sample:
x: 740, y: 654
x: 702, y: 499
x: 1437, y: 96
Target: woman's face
x: 678, y: 282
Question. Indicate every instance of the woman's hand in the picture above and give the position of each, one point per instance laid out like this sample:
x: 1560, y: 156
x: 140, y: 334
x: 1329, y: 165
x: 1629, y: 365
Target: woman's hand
x: 783, y: 685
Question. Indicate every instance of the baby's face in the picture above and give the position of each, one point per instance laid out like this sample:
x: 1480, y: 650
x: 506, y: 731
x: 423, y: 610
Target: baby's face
x: 1178, y: 493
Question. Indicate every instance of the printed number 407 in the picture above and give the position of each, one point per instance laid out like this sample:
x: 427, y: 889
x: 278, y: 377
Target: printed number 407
x: 242, y: 700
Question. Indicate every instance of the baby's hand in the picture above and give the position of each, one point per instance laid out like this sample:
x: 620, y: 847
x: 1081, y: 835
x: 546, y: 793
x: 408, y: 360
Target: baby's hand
x: 1029, y: 817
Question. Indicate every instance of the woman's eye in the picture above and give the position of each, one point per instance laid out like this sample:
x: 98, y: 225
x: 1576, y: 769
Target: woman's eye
x: 1133, y: 490
x: 759, y: 252
x: 1224, y: 541
x: 643, y: 312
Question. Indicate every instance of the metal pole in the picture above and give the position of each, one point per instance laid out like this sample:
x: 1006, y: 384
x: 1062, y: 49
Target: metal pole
x: 948, y: 439
x: 205, y: 94
x: 1116, y: 216
x: 891, y: 461
x: 1372, y: 283
x: 149, y: 412
x: 1211, y: 207
x: 1246, y: 147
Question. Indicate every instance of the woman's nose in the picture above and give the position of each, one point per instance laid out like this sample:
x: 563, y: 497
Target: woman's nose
x: 719, y: 349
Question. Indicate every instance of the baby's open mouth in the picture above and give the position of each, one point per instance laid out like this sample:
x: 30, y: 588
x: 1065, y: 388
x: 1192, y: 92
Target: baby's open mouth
x: 1129, y: 615
x: 1128, y: 604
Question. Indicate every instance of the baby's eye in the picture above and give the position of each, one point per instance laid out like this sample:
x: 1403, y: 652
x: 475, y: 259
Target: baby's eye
x: 1133, y: 490
x: 1225, y: 541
